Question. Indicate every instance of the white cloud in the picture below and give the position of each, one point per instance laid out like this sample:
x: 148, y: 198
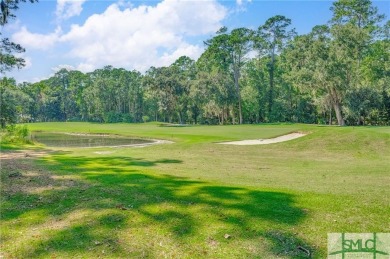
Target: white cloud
x: 13, y: 25
x: 68, y: 8
x: 83, y: 67
x: 28, y: 62
x: 240, y: 2
x: 20, y: 79
x: 38, y: 79
x: 123, y: 3
x: 138, y: 38
x: 183, y: 50
x: 36, y: 40
x: 132, y: 38
x: 59, y: 67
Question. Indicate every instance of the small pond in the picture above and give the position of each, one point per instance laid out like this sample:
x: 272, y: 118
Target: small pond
x: 85, y: 140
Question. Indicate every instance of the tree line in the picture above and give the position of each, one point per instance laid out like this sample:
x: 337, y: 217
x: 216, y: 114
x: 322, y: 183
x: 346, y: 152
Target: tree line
x: 339, y: 73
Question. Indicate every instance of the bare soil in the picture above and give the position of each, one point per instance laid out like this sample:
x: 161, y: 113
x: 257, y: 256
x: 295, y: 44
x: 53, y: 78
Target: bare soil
x: 19, y: 174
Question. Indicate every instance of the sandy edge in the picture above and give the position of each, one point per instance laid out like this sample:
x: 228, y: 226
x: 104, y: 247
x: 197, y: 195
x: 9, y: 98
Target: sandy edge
x: 250, y: 142
x: 39, y: 153
x: 154, y: 141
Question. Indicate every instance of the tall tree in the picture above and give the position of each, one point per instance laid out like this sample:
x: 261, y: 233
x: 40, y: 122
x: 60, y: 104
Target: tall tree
x: 184, y: 68
x: 314, y: 68
x: 255, y: 81
x: 216, y: 84
x: 172, y: 86
x: 8, y: 49
x: 231, y: 51
x: 354, y: 26
x: 270, y: 40
x: 14, y: 103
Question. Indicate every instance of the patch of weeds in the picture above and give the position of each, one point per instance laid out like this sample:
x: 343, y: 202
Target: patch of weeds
x: 285, y: 244
x: 16, y: 134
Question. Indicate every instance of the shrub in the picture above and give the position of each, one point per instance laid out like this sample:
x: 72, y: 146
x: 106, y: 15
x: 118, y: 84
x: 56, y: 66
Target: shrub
x: 127, y: 117
x: 16, y: 134
x: 112, y: 117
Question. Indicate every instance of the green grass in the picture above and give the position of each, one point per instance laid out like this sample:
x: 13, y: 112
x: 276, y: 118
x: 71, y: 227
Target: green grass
x: 180, y: 200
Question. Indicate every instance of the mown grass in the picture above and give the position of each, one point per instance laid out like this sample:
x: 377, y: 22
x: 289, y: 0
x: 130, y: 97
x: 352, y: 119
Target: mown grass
x: 195, y: 198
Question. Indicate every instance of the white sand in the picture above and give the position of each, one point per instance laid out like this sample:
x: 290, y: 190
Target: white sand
x: 265, y: 141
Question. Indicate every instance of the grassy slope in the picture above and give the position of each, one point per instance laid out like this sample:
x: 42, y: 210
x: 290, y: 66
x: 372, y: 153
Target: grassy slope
x: 179, y: 200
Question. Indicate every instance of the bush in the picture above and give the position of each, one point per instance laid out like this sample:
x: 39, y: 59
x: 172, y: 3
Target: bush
x: 127, y: 117
x: 145, y: 118
x: 112, y: 117
x: 16, y: 134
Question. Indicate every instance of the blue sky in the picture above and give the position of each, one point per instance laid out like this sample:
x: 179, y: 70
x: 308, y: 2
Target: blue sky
x: 89, y: 34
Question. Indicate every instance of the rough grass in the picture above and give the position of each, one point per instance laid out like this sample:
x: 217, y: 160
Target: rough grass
x: 193, y: 198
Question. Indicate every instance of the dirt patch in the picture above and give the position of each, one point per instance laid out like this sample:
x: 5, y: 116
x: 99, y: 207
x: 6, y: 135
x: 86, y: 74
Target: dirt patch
x: 23, y: 154
x: 19, y: 174
x: 283, y: 138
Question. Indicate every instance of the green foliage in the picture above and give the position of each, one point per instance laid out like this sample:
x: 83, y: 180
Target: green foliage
x: 126, y: 117
x: 332, y: 64
x: 229, y: 52
x: 271, y: 39
x: 14, y: 103
x: 7, y: 58
x: 15, y: 134
x: 171, y: 86
x: 362, y: 105
x: 8, y: 7
x: 111, y: 117
x: 114, y: 117
x: 8, y: 49
x: 339, y: 70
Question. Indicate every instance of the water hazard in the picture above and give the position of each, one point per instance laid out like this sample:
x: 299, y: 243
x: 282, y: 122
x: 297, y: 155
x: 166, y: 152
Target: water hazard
x: 85, y: 140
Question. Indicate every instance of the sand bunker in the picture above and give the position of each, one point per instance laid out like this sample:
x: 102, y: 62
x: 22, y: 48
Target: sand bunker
x: 283, y: 138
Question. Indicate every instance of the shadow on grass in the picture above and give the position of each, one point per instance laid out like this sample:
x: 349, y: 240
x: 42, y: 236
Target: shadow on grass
x: 101, y: 198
